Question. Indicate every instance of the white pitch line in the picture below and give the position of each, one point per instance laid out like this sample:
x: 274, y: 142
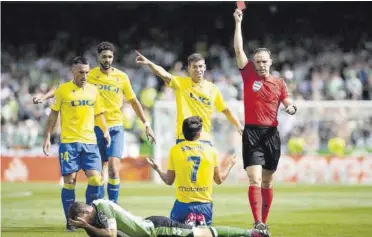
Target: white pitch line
x: 18, y: 194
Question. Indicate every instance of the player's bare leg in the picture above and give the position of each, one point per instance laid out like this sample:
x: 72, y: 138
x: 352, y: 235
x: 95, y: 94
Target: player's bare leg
x: 94, y: 182
x: 113, y: 185
x: 68, y: 196
x: 267, y: 192
x: 254, y: 174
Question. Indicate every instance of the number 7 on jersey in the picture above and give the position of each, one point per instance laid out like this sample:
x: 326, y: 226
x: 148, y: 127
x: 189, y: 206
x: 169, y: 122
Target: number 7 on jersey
x: 195, y: 167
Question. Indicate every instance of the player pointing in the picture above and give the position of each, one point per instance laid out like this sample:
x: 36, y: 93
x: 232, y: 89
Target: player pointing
x: 263, y: 93
x: 195, y: 96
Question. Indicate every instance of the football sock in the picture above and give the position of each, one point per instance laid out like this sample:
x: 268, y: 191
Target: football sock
x: 101, y: 189
x: 226, y: 231
x: 92, y: 191
x: 113, y: 187
x: 67, y: 197
x: 255, y: 200
x: 267, y: 198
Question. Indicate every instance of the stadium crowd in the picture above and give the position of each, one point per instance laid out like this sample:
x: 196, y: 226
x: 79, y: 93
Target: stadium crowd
x: 320, y: 69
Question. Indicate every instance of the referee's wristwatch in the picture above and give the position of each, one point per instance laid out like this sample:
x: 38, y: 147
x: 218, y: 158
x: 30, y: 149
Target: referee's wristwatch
x: 147, y: 124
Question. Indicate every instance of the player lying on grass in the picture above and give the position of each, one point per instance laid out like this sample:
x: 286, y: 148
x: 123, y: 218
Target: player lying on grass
x: 104, y: 218
x: 194, y: 166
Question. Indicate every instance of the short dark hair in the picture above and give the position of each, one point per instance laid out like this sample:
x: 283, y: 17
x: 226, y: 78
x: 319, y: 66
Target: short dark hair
x: 105, y: 46
x: 75, y: 209
x: 80, y: 60
x: 194, y: 58
x: 191, y: 127
x: 259, y: 50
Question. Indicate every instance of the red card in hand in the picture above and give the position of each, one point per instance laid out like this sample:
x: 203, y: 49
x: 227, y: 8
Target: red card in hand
x: 240, y: 5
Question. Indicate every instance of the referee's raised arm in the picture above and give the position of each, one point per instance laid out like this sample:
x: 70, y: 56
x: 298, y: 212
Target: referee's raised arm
x: 241, y: 58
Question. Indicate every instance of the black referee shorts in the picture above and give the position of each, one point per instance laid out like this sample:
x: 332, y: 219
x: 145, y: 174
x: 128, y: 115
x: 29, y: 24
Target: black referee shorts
x: 261, y: 146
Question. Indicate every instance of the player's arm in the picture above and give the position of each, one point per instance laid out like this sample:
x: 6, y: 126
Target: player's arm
x: 51, y: 123
x: 41, y: 98
x: 137, y: 107
x: 234, y: 120
x: 167, y: 177
x: 97, y: 232
x: 52, y: 120
x: 241, y: 57
x: 100, y: 120
x: 290, y: 107
x: 156, y: 69
x: 221, y: 175
x: 221, y: 106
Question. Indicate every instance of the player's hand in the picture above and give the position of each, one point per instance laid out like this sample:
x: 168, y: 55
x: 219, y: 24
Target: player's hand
x: 79, y: 223
x: 140, y: 59
x: 46, y: 146
x: 152, y: 163
x: 291, y: 109
x: 238, y: 15
x: 107, y: 136
x: 150, y: 135
x: 240, y: 131
x: 37, y: 99
x: 232, y: 160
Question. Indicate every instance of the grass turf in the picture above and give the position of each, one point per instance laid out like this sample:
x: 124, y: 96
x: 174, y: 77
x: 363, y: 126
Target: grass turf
x: 35, y: 210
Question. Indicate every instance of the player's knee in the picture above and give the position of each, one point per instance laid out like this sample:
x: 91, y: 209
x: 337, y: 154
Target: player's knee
x: 114, y: 167
x: 267, y: 184
x: 267, y: 179
x: 254, y: 180
x: 69, y: 186
x: 69, y: 181
x: 95, y: 180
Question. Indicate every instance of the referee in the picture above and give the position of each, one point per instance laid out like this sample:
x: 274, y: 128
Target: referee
x: 263, y: 93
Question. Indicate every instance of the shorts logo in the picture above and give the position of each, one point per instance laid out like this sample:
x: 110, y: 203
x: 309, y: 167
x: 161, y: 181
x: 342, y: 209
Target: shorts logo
x: 257, y: 86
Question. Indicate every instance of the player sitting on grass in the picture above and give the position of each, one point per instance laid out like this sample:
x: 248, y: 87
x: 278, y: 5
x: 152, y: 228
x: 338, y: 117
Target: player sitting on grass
x: 105, y: 218
x: 194, y: 166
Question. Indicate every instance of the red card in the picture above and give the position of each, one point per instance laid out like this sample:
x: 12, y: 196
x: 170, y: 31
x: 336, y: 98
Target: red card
x: 240, y: 5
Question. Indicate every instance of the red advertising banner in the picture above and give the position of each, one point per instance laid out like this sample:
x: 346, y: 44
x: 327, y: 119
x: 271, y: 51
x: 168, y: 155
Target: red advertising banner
x: 27, y: 168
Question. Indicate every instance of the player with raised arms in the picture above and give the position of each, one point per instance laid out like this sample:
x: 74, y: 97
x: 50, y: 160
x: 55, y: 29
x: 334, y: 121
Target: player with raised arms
x: 194, y: 166
x: 263, y: 94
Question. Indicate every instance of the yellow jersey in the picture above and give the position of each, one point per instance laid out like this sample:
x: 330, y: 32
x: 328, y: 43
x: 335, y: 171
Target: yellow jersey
x: 113, y: 88
x: 193, y: 163
x: 78, y: 107
x: 196, y: 99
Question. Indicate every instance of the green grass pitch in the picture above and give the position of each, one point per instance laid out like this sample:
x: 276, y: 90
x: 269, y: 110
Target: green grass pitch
x: 34, y: 209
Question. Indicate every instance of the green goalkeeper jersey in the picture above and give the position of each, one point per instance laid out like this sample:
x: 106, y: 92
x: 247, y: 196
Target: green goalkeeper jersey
x: 125, y: 222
